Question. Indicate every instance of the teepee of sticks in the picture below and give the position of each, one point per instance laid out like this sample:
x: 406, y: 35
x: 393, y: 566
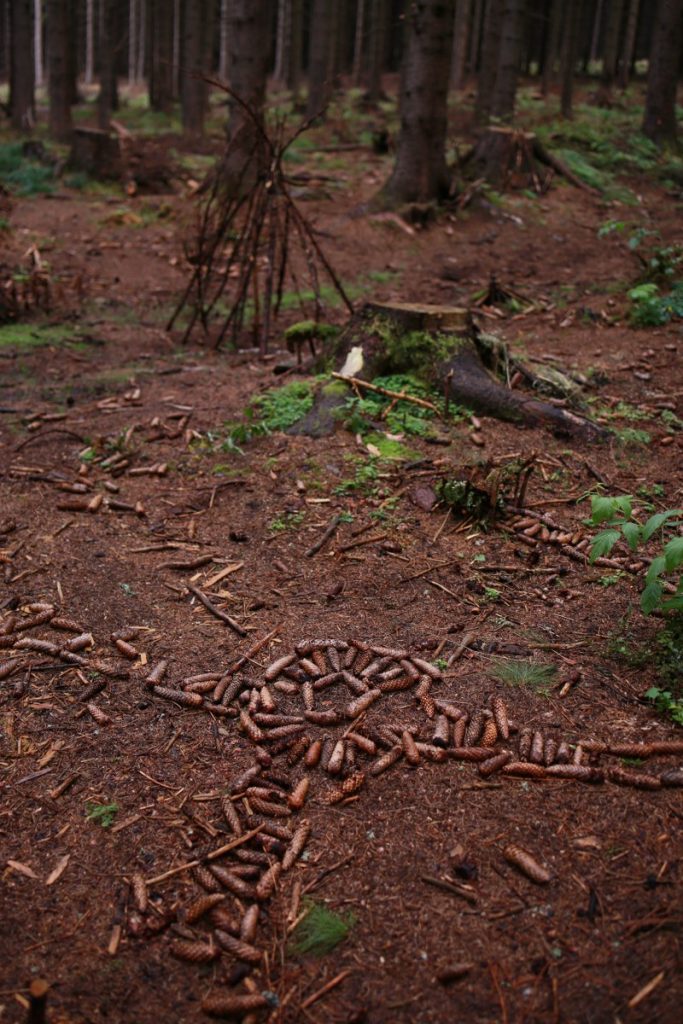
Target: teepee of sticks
x: 252, y: 243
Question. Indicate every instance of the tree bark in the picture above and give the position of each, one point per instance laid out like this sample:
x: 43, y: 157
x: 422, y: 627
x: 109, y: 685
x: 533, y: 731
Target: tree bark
x: 489, y: 61
x: 475, y: 36
x: 282, y: 40
x: 610, y: 52
x: 597, y: 31
x: 161, y: 55
x: 38, y: 42
x: 59, y: 80
x: 420, y: 173
x: 107, y: 99
x: 320, y: 58
x: 377, y: 40
x: 509, y: 53
x: 358, y: 39
x: 296, y: 47
x: 22, y: 67
x: 552, y: 46
x: 659, y: 123
x: 570, y: 38
x: 224, y: 20
x: 461, y: 33
x: 194, y: 92
x: 89, y: 42
x: 629, y: 44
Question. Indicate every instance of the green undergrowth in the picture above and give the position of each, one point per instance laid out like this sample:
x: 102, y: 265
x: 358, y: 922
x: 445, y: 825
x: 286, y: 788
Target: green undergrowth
x: 22, y: 175
x: 536, y: 676
x: 101, y: 814
x: 320, y: 931
x: 25, y: 336
x: 651, y: 308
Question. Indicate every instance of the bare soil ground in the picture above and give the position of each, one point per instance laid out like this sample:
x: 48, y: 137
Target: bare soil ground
x: 580, y: 948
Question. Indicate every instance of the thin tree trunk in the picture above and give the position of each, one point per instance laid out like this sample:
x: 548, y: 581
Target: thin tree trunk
x: 284, y: 13
x: 109, y: 44
x: 161, y: 55
x: 420, y: 173
x: 610, y: 52
x: 142, y: 41
x: 38, y: 42
x: 59, y: 79
x: 376, y: 50
x: 509, y: 53
x: 552, y: 46
x: 461, y: 32
x: 475, y: 36
x: 193, y: 88
x: 175, y: 49
x: 223, y: 41
x: 358, y: 36
x: 570, y: 38
x: 319, y: 60
x: 296, y: 47
x: 629, y: 44
x: 597, y: 30
x: 489, y: 61
x: 89, y: 42
x: 132, y: 40
x: 22, y: 67
x: 659, y: 123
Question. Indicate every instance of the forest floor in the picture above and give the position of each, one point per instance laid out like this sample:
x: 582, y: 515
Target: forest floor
x: 115, y: 474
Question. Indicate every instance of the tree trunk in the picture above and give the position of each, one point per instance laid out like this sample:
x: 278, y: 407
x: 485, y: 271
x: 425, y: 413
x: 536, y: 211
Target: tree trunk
x: 552, y: 46
x: 420, y: 173
x: 377, y: 40
x: 475, y: 36
x: 223, y: 68
x: 38, y: 42
x: 142, y: 42
x: 358, y: 37
x: 282, y: 40
x: 610, y: 52
x: 296, y: 47
x: 509, y: 53
x: 464, y: 372
x: 59, y: 80
x: 161, y: 55
x: 107, y: 99
x: 570, y: 38
x: 89, y: 42
x: 597, y: 30
x: 461, y: 33
x: 319, y: 58
x: 132, y: 40
x: 629, y: 44
x: 22, y: 68
x: 659, y: 123
x: 489, y: 61
x: 195, y: 63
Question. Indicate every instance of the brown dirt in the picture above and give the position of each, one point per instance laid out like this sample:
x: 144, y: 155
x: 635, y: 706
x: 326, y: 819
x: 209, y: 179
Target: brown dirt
x: 577, y: 949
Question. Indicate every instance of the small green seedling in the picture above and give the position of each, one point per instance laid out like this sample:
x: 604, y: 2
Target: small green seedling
x: 101, y: 814
x: 320, y: 930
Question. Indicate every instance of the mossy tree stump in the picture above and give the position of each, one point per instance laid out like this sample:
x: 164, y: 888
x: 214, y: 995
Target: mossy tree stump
x: 438, y: 344
x: 506, y: 157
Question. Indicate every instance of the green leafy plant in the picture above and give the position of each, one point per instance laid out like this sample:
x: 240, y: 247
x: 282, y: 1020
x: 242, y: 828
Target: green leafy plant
x: 617, y: 515
x: 287, y: 521
x: 666, y: 703
x: 650, y: 309
x: 320, y: 930
x: 101, y: 814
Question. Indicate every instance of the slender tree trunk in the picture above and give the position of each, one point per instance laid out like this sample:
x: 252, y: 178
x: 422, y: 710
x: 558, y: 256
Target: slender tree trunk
x: 320, y: 57
x: 461, y: 32
x: 552, y: 46
x: 420, y: 173
x: 376, y: 49
x: 282, y: 35
x: 358, y: 37
x: 161, y: 55
x: 223, y: 40
x: 659, y: 123
x: 475, y: 36
x: 59, y: 80
x: 597, y: 31
x: 610, y: 52
x: 489, y: 61
x: 132, y: 40
x: 570, y: 39
x: 296, y: 47
x: 246, y: 155
x: 22, y: 67
x: 509, y: 53
x: 629, y: 44
x: 193, y: 88
x: 142, y: 41
x: 175, y: 49
x: 38, y: 42
x: 107, y: 99
x: 89, y: 42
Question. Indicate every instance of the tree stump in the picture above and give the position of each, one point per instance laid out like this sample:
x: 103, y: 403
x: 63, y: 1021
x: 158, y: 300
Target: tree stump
x: 509, y: 158
x: 97, y: 153
x: 439, y: 344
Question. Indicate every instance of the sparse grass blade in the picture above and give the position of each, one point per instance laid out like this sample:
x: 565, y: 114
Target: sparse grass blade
x: 538, y: 677
x: 320, y: 930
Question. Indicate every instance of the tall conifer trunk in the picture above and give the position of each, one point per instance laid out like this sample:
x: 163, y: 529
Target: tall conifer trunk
x: 659, y: 123
x: 22, y: 68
